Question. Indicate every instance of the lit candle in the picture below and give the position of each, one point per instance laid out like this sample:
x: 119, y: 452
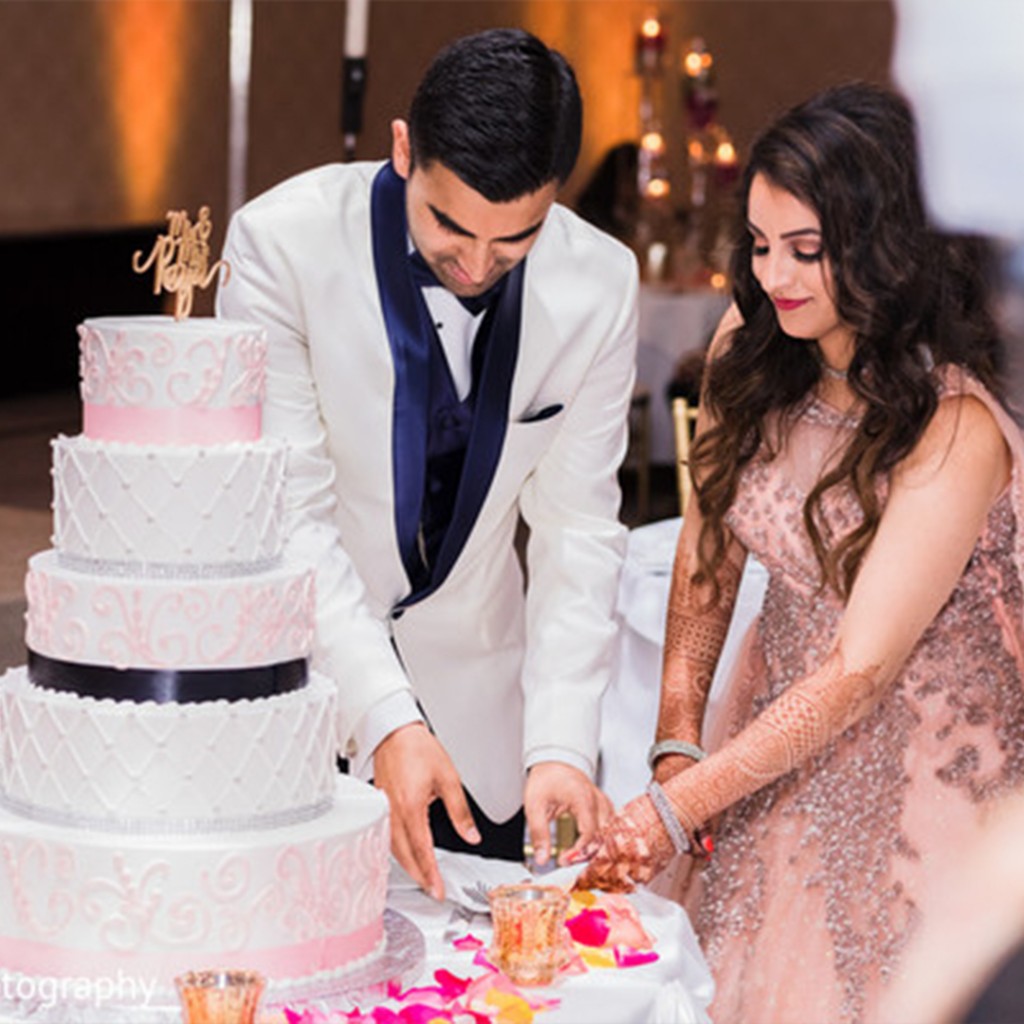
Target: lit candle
x: 653, y: 143
x: 651, y: 34
x: 726, y: 163
x: 697, y: 59
x: 725, y: 154
x: 357, y: 17
x: 650, y: 42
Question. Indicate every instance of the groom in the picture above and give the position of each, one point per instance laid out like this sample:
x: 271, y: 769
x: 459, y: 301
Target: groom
x: 449, y: 351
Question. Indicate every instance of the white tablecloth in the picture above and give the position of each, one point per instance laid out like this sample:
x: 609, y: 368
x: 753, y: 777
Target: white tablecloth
x: 672, y: 324
x: 630, y: 709
x: 675, y: 989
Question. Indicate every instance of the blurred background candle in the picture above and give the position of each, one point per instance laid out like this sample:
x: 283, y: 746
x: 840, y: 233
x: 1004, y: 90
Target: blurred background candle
x: 353, y: 73
x: 357, y: 23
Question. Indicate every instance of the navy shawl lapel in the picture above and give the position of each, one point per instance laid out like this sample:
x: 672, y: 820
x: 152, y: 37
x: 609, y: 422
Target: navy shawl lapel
x: 490, y: 421
x: 409, y: 336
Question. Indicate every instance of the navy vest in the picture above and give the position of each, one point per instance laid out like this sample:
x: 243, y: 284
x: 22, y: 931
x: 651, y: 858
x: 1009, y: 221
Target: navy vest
x: 444, y: 452
x: 449, y: 423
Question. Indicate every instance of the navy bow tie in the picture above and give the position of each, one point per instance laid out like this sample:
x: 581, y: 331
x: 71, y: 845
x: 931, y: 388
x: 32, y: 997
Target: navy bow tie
x: 424, y: 277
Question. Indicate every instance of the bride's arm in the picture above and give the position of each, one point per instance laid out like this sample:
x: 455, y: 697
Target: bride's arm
x: 695, y: 631
x: 695, y: 626
x: 939, y: 500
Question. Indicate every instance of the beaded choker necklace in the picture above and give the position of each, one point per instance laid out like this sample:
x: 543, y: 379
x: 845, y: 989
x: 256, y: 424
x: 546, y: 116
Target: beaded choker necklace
x: 832, y: 372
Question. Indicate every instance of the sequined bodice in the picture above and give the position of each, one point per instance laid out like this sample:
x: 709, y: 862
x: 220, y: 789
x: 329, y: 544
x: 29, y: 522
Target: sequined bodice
x: 767, y: 517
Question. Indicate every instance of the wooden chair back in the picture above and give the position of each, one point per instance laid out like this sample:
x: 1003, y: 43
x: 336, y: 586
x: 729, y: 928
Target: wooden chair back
x: 684, y: 420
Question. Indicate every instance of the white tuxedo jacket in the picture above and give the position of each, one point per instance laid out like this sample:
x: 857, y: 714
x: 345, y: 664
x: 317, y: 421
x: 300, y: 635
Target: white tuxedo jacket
x: 499, y: 669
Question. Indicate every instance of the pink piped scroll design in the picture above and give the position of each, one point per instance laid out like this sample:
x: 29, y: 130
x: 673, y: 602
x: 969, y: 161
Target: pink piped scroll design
x: 122, y: 372
x: 147, y: 386
x: 47, y: 627
x: 251, y: 623
x: 335, y: 890
x: 317, y: 896
x: 40, y: 877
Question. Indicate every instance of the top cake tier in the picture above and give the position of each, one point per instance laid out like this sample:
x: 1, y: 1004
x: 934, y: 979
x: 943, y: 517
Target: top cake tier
x: 157, y: 380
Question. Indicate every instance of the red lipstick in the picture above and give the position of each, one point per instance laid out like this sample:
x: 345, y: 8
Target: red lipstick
x: 786, y: 305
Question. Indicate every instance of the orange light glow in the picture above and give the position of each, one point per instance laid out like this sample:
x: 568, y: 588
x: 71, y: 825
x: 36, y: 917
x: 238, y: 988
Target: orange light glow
x: 651, y: 28
x: 658, y: 188
x: 696, y: 62
x: 653, y: 142
x: 145, y: 58
x: 718, y: 281
x: 696, y: 150
x: 591, y: 35
x: 725, y: 153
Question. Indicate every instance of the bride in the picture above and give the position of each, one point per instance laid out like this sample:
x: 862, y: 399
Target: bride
x: 852, y: 438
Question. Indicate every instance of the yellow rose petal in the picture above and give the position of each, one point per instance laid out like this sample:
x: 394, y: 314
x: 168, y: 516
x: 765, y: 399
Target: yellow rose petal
x: 511, y: 1009
x: 596, y: 957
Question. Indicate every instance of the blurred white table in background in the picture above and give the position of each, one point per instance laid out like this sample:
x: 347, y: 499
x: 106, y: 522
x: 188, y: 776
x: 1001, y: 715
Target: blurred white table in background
x: 672, y: 324
x: 630, y: 710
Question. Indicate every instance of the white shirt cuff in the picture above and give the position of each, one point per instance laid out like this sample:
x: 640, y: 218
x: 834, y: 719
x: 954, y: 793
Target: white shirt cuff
x: 381, y: 720
x: 569, y: 757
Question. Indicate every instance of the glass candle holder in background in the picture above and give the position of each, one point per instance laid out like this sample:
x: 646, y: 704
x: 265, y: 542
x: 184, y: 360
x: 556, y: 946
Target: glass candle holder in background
x: 220, y: 997
x: 530, y: 941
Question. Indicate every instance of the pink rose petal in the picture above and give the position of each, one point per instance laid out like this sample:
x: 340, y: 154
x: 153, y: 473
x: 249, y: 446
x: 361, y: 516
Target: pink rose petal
x: 482, y: 959
x: 421, y: 1013
x: 624, y: 921
x: 451, y: 985
x: 589, y: 927
x: 468, y: 942
x: 626, y: 957
x: 574, y: 965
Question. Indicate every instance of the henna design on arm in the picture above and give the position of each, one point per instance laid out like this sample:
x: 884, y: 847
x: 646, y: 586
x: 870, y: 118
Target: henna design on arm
x: 695, y: 632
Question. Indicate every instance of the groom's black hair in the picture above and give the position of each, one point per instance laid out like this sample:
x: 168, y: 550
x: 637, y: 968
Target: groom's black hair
x: 500, y: 110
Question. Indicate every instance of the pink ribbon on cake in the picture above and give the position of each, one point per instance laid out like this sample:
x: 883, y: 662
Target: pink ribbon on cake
x: 188, y: 425
x: 284, y: 962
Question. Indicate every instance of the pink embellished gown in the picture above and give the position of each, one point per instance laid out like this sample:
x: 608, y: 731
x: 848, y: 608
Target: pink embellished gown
x: 819, y: 880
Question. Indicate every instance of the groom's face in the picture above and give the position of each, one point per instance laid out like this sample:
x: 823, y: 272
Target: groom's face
x: 468, y: 241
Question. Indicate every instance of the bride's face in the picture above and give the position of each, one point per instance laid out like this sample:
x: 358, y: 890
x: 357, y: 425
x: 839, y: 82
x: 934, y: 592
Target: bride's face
x: 788, y: 259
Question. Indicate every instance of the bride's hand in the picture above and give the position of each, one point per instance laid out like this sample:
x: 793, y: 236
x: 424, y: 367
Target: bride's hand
x: 631, y: 850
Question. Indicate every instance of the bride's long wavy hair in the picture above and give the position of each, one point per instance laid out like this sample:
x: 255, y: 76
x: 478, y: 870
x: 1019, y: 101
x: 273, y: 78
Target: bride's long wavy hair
x: 913, y: 297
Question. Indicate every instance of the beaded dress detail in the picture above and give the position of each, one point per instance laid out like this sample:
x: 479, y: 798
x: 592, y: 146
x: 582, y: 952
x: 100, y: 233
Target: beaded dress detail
x: 820, y: 877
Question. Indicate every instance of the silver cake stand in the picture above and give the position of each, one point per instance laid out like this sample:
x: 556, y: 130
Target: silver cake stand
x: 365, y: 985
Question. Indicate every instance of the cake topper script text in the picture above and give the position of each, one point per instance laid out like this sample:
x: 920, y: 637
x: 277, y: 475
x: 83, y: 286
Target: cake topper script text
x: 181, y: 259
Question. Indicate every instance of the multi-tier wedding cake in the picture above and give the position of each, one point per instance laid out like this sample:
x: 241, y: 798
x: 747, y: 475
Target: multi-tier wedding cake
x: 170, y: 798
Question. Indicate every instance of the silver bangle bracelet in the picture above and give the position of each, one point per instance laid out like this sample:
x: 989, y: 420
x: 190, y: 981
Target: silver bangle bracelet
x: 663, y: 747
x: 673, y: 826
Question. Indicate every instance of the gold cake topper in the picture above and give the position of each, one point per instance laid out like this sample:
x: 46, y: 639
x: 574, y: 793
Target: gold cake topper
x: 180, y: 259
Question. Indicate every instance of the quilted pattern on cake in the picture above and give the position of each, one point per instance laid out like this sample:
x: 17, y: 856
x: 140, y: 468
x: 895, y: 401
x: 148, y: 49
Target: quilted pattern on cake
x: 142, y: 505
x: 102, y: 761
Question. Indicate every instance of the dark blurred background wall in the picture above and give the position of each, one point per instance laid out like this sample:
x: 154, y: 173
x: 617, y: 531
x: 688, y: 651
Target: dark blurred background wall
x: 116, y: 111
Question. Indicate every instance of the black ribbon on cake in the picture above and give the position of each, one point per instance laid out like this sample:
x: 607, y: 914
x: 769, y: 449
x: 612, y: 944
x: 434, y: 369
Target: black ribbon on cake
x: 166, y: 686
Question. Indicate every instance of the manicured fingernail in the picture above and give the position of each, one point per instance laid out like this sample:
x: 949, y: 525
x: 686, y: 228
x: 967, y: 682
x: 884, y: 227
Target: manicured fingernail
x: 473, y: 835
x: 709, y: 845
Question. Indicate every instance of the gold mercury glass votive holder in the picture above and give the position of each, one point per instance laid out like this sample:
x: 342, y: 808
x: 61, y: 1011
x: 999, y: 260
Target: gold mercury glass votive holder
x: 220, y: 997
x: 529, y: 931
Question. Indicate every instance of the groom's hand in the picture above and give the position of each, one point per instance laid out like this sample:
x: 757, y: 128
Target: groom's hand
x: 553, y: 789
x: 413, y: 769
